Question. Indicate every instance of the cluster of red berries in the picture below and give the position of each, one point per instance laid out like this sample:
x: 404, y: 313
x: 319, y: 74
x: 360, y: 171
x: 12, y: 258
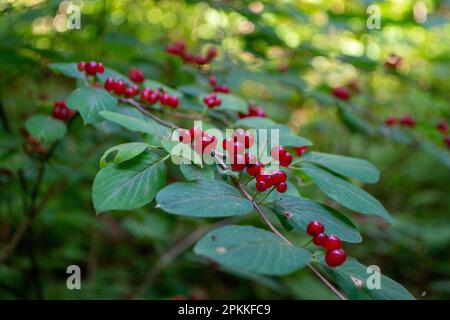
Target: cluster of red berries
x: 405, y: 121
x: 223, y: 88
x: 120, y: 87
x: 335, y: 255
x: 212, y: 101
x: 62, y: 112
x: 393, y: 62
x: 152, y: 96
x: 443, y: 127
x: 342, y: 93
x: 179, y: 49
x: 194, y: 136
x: 91, y: 68
x: 253, y: 111
x: 136, y: 75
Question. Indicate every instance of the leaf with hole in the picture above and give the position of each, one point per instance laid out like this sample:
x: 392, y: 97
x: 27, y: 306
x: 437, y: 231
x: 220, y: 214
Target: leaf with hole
x: 125, y: 152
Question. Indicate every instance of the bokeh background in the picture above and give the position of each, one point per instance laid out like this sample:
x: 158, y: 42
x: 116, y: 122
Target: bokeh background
x: 282, y: 55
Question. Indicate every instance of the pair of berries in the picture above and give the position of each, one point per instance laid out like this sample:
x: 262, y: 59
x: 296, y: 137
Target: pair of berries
x: 212, y: 101
x: 253, y: 111
x: 223, y: 88
x: 194, y: 136
x: 393, y: 62
x: 91, y: 68
x: 120, y: 88
x: 280, y: 153
x: 405, y: 121
x: 136, y: 75
x: 342, y: 93
x: 153, y: 96
x: 335, y: 255
x: 61, y: 111
x: 266, y: 180
x: 179, y: 49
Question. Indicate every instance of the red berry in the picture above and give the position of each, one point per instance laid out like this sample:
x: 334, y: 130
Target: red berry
x: 185, y: 136
x: 136, y: 75
x: 119, y: 87
x: 60, y: 103
x: 173, y: 101
x: 249, y: 139
x: 408, y: 121
x: 200, y: 60
x: 100, y: 68
x: 278, y: 152
x: 196, y: 132
x: 286, y: 160
x: 314, y: 228
x: 300, y: 150
x: 261, y: 186
x: 266, y: 177
x: 207, y: 139
x: 390, y: 121
x: 145, y: 94
x: 212, y: 53
x: 282, y: 68
x: 332, y: 242
x: 342, y: 93
x: 222, y: 88
x: 91, y: 68
x: 164, y: 99
x: 335, y: 258
x: 250, y: 159
x: 282, y: 187
x: 279, y: 176
x: 442, y: 126
x: 238, y: 163
x: 109, y: 84
x: 255, y: 169
x: 212, y: 80
x: 255, y: 111
x: 153, y: 97
x: 81, y: 66
x: 319, y: 238
x: 447, y: 141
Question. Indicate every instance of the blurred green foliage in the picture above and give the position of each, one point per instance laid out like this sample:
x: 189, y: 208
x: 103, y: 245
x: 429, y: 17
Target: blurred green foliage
x: 323, y: 43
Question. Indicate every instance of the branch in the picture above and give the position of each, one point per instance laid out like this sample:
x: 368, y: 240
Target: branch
x: 258, y: 209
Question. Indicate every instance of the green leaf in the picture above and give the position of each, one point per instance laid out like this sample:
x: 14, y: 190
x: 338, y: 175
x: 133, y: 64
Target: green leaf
x: 286, y: 137
x: 182, y: 153
x: 115, y: 75
x: 359, y: 169
x: 254, y: 122
x: 229, y: 102
x: 352, y: 278
x: 251, y: 249
x: 89, y: 102
x: 68, y: 69
x: 45, y: 129
x: 129, y: 185
x: 345, y: 193
x: 298, y: 212
x: 155, y: 85
x: 353, y: 121
x: 193, y: 172
x: 203, y: 198
x: 139, y: 125
x: 125, y: 152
